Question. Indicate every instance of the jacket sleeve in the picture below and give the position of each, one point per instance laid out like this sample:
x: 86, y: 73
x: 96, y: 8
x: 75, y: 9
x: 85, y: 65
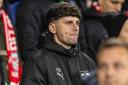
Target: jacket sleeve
x: 34, y: 73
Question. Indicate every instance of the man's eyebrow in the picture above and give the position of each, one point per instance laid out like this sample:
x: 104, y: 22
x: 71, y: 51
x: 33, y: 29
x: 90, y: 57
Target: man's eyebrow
x: 116, y: 1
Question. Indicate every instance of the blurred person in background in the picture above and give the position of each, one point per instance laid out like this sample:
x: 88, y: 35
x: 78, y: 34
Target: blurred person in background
x: 93, y: 31
x: 112, y: 62
x: 111, y: 5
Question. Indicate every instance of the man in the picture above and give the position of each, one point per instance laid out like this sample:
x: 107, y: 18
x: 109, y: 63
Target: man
x: 112, y: 63
x: 93, y: 30
x: 59, y: 62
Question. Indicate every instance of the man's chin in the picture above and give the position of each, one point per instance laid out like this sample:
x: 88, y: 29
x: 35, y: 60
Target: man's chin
x: 72, y: 43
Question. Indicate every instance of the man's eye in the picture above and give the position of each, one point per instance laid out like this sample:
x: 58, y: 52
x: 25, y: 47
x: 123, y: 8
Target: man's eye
x: 114, y: 2
x: 118, y: 66
x: 102, y: 67
x: 78, y: 23
x: 69, y: 22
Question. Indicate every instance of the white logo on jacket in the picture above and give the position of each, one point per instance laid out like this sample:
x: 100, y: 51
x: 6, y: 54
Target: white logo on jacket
x: 84, y: 74
x: 60, y: 73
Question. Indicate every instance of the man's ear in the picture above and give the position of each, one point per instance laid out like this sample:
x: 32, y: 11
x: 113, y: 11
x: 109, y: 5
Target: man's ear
x: 52, y: 28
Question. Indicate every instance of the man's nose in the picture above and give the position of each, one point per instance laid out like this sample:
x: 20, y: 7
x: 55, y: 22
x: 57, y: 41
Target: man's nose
x: 76, y: 27
x: 109, y: 72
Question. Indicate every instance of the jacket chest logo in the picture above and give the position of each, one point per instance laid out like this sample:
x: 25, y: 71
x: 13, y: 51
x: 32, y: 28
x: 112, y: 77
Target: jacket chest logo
x: 59, y: 73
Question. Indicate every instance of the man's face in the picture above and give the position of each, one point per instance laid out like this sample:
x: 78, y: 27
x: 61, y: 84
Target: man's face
x: 65, y: 31
x: 111, y: 5
x: 112, y: 66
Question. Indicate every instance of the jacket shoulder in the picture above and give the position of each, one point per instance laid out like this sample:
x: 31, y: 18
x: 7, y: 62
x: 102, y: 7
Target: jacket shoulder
x: 41, y: 53
x: 35, y: 70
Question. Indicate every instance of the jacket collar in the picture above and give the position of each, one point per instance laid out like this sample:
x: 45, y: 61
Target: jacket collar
x: 50, y: 44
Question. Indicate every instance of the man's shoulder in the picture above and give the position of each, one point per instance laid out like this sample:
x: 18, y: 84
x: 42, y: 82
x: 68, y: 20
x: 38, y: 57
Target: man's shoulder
x: 39, y: 58
x: 41, y: 54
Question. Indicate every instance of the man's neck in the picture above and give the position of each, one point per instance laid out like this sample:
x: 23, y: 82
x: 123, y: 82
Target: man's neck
x: 62, y: 44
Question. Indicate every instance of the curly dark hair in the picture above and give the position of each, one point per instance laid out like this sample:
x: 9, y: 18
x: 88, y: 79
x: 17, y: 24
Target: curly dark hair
x: 62, y: 9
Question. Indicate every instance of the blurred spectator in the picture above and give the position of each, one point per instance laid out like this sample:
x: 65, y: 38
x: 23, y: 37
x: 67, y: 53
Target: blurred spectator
x: 111, y: 5
x: 93, y: 30
x: 112, y: 62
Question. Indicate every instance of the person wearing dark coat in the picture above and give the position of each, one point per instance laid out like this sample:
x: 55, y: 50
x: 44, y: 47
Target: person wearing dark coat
x: 59, y: 61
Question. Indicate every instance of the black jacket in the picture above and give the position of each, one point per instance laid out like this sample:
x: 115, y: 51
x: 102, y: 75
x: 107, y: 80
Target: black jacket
x: 55, y: 65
